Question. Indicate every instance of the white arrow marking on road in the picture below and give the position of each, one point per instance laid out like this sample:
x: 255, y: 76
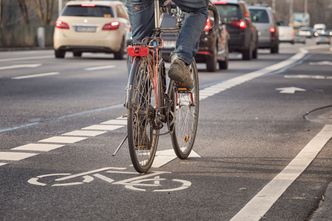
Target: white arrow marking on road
x: 289, y: 90
x: 20, y: 66
x: 321, y: 63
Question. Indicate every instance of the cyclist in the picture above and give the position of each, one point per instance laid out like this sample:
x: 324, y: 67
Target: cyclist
x: 141, y: 14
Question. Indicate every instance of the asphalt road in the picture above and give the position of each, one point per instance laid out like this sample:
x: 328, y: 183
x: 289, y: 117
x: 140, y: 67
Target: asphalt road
x: 262, y: 149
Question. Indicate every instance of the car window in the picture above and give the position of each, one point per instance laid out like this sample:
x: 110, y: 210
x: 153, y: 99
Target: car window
x: 88, y: 11
x: 229, y: 12
x: 259, y: 16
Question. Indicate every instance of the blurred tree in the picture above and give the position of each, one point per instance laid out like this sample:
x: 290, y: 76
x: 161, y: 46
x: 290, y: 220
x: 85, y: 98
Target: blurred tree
x: 44, y: 10
x: 1, y: 13
x: 22, y: 4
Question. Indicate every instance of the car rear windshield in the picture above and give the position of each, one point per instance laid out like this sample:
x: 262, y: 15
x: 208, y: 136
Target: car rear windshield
x: 88, y: 11
x: 229, y: 12
x: 259, y: 16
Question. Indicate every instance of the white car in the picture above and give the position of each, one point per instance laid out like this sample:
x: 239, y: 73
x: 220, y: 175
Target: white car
x: 286, y: 34
x: 92, y: 26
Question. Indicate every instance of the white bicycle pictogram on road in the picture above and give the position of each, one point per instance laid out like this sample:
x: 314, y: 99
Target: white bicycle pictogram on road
x: 151, y: 181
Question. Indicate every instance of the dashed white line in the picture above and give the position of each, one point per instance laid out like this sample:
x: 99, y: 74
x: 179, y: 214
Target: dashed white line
x: 85, y: 133
x: 20, y: 66
x: 36, y: 75
x: 63, y: 139
x: 38, y: 147
x: 100, y: 68
x: 255, y: 209
x: 13, y: 156
x: 2, y: 164
x: 165, y: 156
x: 25, y: 58
x: 103, y: 127
x: 115, y: 122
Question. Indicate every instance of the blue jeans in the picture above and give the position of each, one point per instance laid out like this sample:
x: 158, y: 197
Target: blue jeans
x: 141, y: 14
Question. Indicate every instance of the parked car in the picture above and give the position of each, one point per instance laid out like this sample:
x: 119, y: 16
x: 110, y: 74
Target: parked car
x: 324, y: 37
x: 92, y: 26
x: 213, y: 45
x: 243, y: 34
x: 286, y: 34
x: 266, y: 25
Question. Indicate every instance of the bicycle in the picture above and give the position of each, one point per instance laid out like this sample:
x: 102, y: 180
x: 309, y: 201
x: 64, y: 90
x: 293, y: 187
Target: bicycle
x: 153, y: 100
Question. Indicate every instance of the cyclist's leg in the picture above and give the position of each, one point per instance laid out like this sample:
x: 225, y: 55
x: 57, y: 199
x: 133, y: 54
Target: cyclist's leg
x: 141, y: 15
x: 192, y: 28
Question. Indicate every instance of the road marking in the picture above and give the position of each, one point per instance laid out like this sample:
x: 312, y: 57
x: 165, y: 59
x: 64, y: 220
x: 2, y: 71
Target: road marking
x: 165, y: 156
x: 116, y: 122
x: 38, y: 147
x: 318, y: 77
x: 85, y: 133
x: 103, y: 127
x: 321, y: 63
x: 36, y: 75
x: 62, y: 139
x: 25, y: 58
x: 2, y: 164
x: 255, y: 209
x: 12, y: 156
x: 289, y: 90
x: 99, y: 68
x: 19, y: 66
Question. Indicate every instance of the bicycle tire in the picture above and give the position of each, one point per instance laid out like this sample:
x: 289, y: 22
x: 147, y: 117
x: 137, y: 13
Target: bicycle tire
x: 142, y: 137
x: 185, y: 114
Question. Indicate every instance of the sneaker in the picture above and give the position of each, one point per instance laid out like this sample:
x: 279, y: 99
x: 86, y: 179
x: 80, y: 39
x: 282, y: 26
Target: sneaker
x: 180, y: 73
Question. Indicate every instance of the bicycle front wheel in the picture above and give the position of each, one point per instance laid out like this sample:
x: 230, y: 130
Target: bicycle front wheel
x: 185, y: 108
x: 142, y: 137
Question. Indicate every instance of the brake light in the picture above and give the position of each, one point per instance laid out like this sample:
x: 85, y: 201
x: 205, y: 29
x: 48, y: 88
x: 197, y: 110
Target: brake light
x: 208, y: 25
x: 111, y: 26
x: 272, y: 29
x: 240, y: 24
x: 137, y: 51
x: 220, y: 3
x: 61, y: 25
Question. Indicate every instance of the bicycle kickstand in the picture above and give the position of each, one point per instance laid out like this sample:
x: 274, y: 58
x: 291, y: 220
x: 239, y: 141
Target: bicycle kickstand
x: 119, y: 147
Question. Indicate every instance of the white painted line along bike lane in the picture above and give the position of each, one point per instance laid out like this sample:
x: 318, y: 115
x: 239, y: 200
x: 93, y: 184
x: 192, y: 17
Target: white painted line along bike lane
x: 160, y: 159
x: 256, y: 208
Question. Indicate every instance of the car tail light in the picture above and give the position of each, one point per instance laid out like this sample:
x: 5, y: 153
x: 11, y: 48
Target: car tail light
x: 137, y: 51
x: 111, y: 26
x: 88, y: 5
x: 61, y: 25
x: 273, y: 31
x: 208, y: 25
x: 220, y: 2
x: 240, y: 24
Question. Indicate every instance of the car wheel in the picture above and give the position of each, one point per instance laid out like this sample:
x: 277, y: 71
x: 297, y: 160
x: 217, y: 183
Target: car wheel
x: 211, y: 63
x: 223, y: 65
x: 77, y: 54
x: 255, y: 53
x: 275, y: 49
x: 59, y: 53
x: 119, y: 55
x: 247, y: 54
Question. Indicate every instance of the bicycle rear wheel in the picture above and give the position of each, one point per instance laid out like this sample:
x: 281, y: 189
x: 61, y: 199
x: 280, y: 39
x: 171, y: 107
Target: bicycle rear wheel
x: 142, y: 137
x: 185, y: 108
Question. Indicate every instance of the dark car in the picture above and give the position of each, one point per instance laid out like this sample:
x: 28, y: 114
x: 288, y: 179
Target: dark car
x: 243, y: 33
x: 213, y: 46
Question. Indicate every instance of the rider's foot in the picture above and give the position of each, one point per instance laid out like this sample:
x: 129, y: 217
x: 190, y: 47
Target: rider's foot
x: 180, y: 73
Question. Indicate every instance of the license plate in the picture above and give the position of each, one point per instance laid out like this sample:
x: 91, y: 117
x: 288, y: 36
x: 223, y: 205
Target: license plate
x: 85, y: 29
x: 169, y: 44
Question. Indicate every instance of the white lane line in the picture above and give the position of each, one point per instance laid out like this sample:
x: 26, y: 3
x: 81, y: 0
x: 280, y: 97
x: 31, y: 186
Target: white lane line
x: 36, y: 75
x: 100, y: 68
x: 20, y: 66
x: 103, y: 127
x: 255, y: 209
x: 165, y: 156
x: 2, y: 164
x: 85, y: 133
x: 62, y: 139
x: 317, y: 77
x: 225, y: 85
x: 25, y: 58
x: 38, y: 147
x: 115, y: 122
x: 13, y: 156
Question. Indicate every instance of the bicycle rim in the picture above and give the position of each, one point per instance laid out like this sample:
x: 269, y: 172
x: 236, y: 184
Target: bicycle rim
x: 142, y: 138
x: 185, y: 109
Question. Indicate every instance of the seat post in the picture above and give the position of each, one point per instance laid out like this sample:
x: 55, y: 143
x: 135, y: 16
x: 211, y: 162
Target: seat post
x: 157, y: 14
